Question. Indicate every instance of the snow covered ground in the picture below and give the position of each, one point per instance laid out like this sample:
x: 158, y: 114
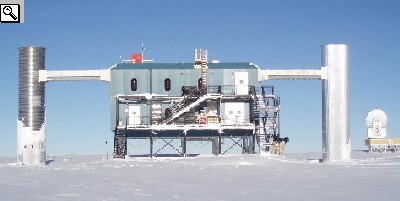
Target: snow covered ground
x: 231, y: 177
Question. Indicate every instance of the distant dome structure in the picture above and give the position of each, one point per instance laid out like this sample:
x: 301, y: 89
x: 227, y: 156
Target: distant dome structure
x: 377, y: 140
x: 376, y: 121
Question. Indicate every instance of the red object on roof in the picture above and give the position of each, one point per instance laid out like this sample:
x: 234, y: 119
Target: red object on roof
x: 137, y: 58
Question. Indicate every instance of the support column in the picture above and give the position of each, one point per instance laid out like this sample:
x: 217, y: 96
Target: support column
x: 220, y: 143
x: 216, y: 146
x: 253, y: 137
x: 183, y: 141
x: 31, y: 123
x: 151, y: 145
x: 247, y: 145
x: 335, y: 104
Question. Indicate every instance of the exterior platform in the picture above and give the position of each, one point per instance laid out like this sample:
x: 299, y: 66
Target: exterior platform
x: 383, y: 144
x: 188, y: 130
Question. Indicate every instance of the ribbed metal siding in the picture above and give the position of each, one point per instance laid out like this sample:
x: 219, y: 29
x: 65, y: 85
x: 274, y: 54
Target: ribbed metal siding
x: 31, y: 92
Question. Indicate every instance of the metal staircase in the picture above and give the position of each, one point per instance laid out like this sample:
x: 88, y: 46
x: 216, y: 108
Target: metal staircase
x: 120, y: 143
x: 191, y: 100
x: 178, y: 109
x: 258, y: 107
x: 182, y: 107
x: 260, y: 131
x: 268, y: 130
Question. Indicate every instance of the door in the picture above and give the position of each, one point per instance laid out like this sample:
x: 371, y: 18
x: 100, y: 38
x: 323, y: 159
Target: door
x: 242, y: 83
x: 134, y: 115
x: 234, y: 113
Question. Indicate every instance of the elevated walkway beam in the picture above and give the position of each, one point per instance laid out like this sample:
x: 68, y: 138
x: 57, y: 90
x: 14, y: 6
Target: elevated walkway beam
x: 74, y: 75
x: 294, y: 74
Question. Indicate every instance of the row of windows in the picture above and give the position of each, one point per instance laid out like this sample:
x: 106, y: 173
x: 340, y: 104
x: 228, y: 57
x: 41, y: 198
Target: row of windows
x: 167, y: 84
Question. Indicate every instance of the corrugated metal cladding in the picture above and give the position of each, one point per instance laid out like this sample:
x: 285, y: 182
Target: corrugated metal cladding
x: 31, y: 93
x: 131, y: 79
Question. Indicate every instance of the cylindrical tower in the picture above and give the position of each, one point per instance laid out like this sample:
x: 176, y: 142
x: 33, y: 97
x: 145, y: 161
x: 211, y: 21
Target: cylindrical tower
x: 335, y: 104
x: 31, y: 124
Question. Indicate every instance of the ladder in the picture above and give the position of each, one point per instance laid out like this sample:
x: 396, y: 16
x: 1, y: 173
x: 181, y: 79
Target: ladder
x: 204, y: 70
x: 201, y: 59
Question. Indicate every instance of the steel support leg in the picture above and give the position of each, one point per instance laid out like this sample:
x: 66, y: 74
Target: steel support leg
x: 216, y: 146
x: 184, y: 145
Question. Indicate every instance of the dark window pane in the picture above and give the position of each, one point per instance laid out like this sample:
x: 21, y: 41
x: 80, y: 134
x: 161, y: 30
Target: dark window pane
x: 167, y: 84
x: 200, y: 84
x: 133, y: 84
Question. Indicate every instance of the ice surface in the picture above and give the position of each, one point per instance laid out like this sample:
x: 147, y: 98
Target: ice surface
x: 231, y: 177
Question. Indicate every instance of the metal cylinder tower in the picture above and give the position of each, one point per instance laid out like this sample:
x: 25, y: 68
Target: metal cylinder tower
x: 31, y: 123
x: 335, y: 104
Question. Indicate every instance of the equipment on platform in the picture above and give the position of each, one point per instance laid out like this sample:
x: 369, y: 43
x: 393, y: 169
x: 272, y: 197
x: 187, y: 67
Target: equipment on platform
x: 377, y: 141
x: 376, y: 121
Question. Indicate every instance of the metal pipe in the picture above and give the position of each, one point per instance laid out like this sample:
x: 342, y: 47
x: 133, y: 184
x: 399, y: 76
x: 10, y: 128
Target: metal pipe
x: 335, y: 104
x: 31, y: 123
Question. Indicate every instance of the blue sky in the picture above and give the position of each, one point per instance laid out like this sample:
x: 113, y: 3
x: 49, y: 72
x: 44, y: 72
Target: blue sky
x: 273, y: 34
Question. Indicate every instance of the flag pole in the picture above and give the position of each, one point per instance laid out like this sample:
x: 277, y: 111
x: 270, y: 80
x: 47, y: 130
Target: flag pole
x: 142, y: 51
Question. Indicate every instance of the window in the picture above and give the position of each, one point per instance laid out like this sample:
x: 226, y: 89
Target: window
x: 133, y: 84
x: 200, y: 83
x: 167, y: 84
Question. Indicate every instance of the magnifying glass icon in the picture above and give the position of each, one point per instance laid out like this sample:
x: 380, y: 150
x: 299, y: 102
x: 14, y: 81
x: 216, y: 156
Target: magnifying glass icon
x: 7, y: 10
